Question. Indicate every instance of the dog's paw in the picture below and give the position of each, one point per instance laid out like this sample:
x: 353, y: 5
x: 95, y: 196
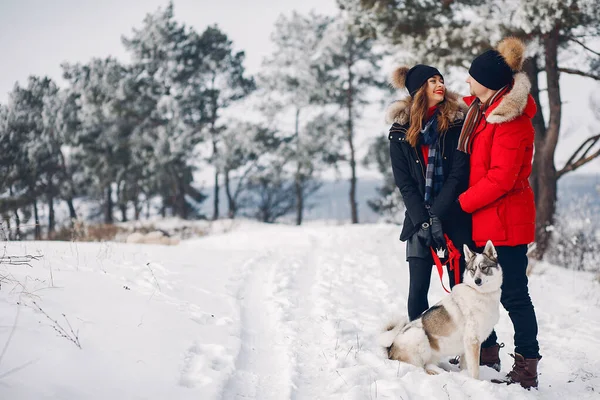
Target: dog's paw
x: 433, y: 369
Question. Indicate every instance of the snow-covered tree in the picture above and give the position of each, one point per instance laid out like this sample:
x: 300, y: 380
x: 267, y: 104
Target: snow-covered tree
x: 272, y: 194
x: 62, y: 117
x: 242, y: 147
x: 9, y: 151
x: 34, y: 166
x: 389, y: 203
x: 225, y: 82
x: 349, y: 66
x: 166, y: 96
x: 102, y: 140
x: 293, y: 85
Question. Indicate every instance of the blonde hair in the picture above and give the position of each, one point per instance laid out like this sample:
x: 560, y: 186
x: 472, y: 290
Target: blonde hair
x: 418, y: 113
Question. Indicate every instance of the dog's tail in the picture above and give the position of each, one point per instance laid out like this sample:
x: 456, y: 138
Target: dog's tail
x: 390, y: 331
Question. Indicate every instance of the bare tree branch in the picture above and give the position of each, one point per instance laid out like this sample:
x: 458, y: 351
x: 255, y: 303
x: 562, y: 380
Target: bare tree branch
x: 581, y: 156
x: 584, y: 46
x: 580, y: 73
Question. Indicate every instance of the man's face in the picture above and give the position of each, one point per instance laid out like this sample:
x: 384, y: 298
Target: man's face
x: 476, y: 88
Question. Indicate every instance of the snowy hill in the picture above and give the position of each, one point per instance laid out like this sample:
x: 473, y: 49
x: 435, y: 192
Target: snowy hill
x: 261, y: 312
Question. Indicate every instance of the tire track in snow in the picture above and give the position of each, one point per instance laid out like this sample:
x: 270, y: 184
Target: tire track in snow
x: 300, y: 325
x: 340, y: 286
x: 356, y: 284
x: 261, y: 366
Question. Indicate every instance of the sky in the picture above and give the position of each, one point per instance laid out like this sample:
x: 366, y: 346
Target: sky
x: 39, y: 35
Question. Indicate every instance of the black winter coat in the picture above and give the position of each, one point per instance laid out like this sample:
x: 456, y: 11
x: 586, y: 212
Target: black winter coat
x: 409, y: 168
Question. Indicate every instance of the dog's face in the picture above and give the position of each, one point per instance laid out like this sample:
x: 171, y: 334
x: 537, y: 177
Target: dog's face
x: 483, y: 273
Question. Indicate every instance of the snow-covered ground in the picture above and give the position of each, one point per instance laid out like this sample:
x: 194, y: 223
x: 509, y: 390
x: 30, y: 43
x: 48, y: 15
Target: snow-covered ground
x: 260, y: 312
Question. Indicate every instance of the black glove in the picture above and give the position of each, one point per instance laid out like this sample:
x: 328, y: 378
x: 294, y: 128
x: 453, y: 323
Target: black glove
x: 437, y: 233
x: 424, y: 234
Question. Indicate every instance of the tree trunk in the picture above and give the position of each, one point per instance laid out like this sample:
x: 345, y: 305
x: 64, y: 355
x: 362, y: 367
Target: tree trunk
x: 36, y: 218
x: 350, y: 136
x: 181, y: 203
x: 69, y: 180
x: 51, y: 217
x: 230, y: 199
x: 213, y: 132
x: 123, y: 209
x: 163, y: 208
x: 17, y: 219
x: 72, y: 212
x: 532, y: 69
x: 298, y: 177
x: 122, y: 203
x: 137, y: 207
x: 147, y: 201
x: 108, y: 207
x: 7, y: 235
x: 17, y: 225
x: 299, y: 197
x: 216, y: 196
x: 546, y: 172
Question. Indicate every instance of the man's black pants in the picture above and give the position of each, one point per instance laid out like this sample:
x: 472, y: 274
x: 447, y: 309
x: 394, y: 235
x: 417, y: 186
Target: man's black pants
x: 515, y: 299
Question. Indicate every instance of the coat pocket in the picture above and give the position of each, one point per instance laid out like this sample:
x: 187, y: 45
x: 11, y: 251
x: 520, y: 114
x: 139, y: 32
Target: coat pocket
x: 488, y: 224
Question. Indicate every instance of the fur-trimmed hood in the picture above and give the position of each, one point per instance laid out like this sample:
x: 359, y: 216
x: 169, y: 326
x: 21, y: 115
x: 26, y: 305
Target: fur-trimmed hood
x: 513, y: 104
x: 399, y: 111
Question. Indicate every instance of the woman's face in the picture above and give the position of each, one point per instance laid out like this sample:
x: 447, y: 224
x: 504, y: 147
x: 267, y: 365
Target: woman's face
x: 435, y: 90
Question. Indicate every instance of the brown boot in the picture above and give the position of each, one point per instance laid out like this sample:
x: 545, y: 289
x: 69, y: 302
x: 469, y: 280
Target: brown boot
x: 524, y: 371
x: 490, y: 356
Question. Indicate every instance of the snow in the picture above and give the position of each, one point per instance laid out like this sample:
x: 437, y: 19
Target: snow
x: 257, y: 312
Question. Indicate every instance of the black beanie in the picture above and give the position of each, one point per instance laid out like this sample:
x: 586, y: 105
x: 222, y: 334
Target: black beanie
x: 418, y: 75
x: 491, y: 70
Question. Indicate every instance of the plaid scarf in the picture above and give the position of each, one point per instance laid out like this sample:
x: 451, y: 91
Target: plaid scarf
x: 434, y: 175
x: 474, y: 115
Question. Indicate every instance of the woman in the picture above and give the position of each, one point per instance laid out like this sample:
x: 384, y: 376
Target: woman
x: 430, y: 173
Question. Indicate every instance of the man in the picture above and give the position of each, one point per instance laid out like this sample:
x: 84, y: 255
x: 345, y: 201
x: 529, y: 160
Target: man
x: 499, y: 136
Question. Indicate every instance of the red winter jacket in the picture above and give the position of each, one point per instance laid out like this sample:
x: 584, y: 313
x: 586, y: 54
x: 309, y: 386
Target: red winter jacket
x: 499, y: 196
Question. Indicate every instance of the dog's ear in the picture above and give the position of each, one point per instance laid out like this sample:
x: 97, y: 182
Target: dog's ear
x: 490, y: 250
x: 468, y: 253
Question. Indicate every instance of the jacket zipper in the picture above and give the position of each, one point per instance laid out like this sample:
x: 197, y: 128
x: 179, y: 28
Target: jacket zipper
x: 443, y: 145
x: 419, y: 161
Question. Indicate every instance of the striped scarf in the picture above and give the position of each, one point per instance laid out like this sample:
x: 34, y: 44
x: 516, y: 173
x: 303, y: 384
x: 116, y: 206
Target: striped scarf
x: 474, y: 115
x: 434, y: 174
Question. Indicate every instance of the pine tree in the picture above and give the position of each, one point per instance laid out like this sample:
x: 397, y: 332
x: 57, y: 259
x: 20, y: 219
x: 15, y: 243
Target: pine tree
x: 34, y: 148
x: 225, y: 83
x: 293, y: 83
x: 102, y: 140
x: 62, y: 115
x: 169, y: 71
x: 350, y: 68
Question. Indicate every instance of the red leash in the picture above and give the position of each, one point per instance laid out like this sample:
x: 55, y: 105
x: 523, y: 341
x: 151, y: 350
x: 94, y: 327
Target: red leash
x: 452, y: 262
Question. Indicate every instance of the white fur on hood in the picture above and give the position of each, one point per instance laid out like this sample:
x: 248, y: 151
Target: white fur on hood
x: 399, y: 111
x: 513, y: 103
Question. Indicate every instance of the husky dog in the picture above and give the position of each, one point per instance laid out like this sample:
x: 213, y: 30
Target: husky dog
x: 457, y: 324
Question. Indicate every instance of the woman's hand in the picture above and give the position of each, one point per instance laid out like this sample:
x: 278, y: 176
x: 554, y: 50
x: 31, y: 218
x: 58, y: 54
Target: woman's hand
x: 424, y: 234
